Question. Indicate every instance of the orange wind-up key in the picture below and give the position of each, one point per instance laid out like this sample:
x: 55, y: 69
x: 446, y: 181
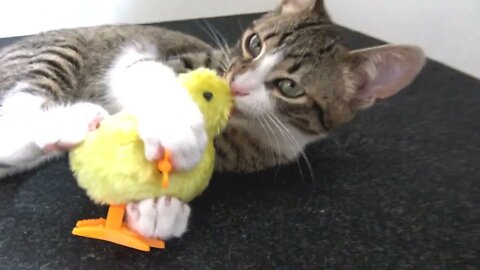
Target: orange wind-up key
x: 165, y: 167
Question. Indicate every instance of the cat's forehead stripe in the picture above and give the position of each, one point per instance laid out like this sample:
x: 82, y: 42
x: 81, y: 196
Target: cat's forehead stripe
x: 302, y: 55
x: 306, y: 25
x: 295, y: 67
x: 283, y: 37
x: 270, y: 35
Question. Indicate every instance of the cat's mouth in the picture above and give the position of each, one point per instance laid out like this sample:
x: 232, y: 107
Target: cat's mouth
x: 238, y: 110
x: 238, y: 90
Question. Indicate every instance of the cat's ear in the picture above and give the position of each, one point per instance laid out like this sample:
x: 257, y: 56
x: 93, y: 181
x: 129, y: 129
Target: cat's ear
x: 380, y: 72
x: 294, y: 6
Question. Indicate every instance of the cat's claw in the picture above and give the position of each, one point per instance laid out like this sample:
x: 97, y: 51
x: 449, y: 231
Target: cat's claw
x: 162, y: 218
x: 64, y: 127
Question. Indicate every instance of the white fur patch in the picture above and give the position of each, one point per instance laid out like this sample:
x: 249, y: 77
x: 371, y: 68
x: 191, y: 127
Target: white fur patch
x: 164, y: 218
x: 63, y: 127
x: 18, y: 115
x: 268, y: 128
x: 168, y: 117
x: 282, y: 137
x: 21, y: 104
x: 258, y: 101
x: 27, y: 130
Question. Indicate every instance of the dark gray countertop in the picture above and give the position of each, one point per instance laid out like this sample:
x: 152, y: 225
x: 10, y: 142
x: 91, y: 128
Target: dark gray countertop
x: 393, y: 189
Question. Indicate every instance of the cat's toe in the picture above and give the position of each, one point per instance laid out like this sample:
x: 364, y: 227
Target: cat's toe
x: 172, y: 218
x: 163, y: 218
x: 141, y: 217
x: 186, y: 149
x: 65, y: 127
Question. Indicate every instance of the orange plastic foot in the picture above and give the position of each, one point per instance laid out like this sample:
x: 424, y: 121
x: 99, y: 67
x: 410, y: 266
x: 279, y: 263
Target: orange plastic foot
x: 114, y: 230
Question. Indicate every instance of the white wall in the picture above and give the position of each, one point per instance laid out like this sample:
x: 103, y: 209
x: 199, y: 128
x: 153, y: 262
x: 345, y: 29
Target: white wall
x: 449, y: 30
x: 22, y: 17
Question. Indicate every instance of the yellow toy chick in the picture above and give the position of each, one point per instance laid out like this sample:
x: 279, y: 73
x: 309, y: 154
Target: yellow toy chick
x: 111, y: 167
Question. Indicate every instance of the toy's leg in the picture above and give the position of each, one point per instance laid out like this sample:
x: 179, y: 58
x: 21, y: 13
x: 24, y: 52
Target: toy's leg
x: 114, y: 230
x: 115, y: 217
x: 163, y: 218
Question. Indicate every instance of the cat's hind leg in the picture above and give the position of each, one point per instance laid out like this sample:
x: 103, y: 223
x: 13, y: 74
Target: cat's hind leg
x: 31, y: 132
x: 17, y: 149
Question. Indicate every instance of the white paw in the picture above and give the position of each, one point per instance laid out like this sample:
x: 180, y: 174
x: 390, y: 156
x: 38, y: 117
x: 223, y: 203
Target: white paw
x: 183, y: 135
x: 61, y: 128
x: 162, y: 218
x: 177, y: 126
x: 167, y: 116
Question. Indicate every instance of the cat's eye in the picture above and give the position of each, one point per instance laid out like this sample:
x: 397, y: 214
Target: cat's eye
x: 289, y: 88
x: 253, y: 45
x: 207, y: 95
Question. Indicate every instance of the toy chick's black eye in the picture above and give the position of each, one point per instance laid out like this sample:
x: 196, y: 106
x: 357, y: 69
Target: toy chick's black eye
x: 208, y: 95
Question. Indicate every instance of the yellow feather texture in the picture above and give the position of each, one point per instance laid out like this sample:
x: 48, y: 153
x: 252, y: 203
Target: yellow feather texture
x: 110, y: 164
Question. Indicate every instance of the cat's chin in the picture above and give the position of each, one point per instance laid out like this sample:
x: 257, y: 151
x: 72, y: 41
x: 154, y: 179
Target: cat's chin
x: 237, y: 116
x: 243, y: 115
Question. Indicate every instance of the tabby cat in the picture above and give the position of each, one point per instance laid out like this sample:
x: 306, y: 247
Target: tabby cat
x: 292, y: 78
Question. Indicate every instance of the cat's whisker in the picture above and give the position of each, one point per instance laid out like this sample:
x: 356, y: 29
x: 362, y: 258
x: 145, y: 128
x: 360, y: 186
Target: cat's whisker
x: 225, y: 66
x: 296, y: 160
x: 282, y: 133
x: 219, y: 41
x: 224, y: 61
x: 282, y: 126
x: 207, y: 31
x: 227, y: 59
x: 221, y: 38
x: 240, y: 25
x: 262, y: 123
x: 214, y: 38
x: 277, y: 141
x: 302, y: 152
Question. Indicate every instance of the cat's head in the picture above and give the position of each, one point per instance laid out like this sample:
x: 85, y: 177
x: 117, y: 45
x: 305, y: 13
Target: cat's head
x: 291, y: 63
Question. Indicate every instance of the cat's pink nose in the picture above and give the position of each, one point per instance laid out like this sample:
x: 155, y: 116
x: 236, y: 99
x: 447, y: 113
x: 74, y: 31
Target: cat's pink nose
x: 238, y: 90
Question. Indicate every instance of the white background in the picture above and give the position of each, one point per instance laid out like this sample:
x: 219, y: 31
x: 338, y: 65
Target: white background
x: 448, y: 30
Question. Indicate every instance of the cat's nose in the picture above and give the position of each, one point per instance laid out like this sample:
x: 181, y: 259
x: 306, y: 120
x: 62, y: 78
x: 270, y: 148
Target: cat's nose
x: 238, y: 90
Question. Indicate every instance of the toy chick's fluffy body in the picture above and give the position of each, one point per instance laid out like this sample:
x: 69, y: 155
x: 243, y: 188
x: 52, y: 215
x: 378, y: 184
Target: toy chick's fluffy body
x: 110, y: 164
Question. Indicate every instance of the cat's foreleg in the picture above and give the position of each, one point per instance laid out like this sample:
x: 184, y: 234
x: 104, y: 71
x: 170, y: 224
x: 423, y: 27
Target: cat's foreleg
x: 168, y: 118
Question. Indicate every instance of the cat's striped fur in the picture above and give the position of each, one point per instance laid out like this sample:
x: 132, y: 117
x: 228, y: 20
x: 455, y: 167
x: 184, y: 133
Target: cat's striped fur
x: 293, y: 79
x: 68, y: 66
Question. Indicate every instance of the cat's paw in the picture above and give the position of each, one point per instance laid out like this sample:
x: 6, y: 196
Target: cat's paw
x: 61, y: 128
x: 168, y: 118
x: 179, y: 128
x: 162, y: 218
x: 184, y: 137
